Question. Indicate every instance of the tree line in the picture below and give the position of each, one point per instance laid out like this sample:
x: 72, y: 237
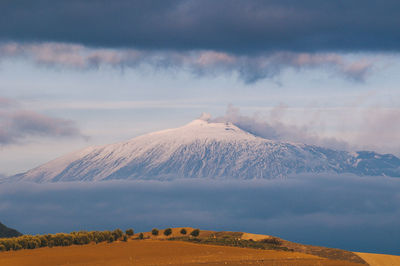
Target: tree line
x: 76, y: 238
x: 62, y: 239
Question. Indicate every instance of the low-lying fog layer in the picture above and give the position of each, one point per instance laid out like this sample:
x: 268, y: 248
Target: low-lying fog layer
x: 355, y: 213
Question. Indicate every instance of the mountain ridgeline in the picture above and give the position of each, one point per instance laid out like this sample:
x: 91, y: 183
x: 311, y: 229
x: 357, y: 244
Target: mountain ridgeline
x: 202, y: 149
x: 8, y: 232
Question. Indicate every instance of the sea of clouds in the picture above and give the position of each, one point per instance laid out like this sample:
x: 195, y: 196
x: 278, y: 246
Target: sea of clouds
x: 349, y: 212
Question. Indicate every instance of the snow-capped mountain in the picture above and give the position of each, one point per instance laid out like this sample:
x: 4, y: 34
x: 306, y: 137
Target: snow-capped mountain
x: 203, y: 149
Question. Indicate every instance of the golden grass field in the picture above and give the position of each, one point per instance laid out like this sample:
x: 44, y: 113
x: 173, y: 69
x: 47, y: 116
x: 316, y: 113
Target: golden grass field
x: 380, y: 259
x: 156, y: 250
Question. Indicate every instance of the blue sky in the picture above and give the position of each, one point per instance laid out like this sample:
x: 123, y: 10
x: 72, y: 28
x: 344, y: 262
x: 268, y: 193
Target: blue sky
x: 80, y: 77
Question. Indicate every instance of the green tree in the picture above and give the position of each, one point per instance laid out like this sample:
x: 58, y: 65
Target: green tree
x: 43, y: 241
x: 154, y: 232
x: 183, y: 231
x: 129, y: 232
x: 17, y: 247
x: 195, y: 233
x: 117, y: 233
x: 168, y: 231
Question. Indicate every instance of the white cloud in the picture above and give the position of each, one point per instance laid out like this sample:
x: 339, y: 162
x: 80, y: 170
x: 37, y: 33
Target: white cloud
x: 354, y: 128
x: 250, y: 68
x: 16, y: 125
x: 275, y: 128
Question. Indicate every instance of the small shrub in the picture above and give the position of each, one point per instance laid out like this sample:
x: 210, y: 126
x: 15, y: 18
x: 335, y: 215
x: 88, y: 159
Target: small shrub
x: 43, y: 241
x: 2, y: 247
x: 168, y: 231
x: 110, y: 239
x: 51, y: 244
x: 129, y: 232
x: 141, y: 236
x: 183, y: 231
x: 154, y: 232
x: 117, y: 233
x: 17, y: 247
x: 195, y: 233
x: 125, y: 238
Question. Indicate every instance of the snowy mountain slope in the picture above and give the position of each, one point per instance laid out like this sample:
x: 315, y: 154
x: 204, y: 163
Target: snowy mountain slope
x: 202, y: 149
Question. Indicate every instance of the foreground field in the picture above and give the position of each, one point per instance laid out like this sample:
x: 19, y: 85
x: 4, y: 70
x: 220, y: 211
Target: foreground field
x: 159, y: 252
x: 176, y: 246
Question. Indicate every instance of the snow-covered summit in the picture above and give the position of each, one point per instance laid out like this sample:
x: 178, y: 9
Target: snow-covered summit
x: 204, y: 149
x: 202, y: 129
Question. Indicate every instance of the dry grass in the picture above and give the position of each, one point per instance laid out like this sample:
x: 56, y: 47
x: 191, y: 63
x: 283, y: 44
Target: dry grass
x: 158, y: 252
x: 255, y: 237
x: 155, y: 250
x: 380, y: 259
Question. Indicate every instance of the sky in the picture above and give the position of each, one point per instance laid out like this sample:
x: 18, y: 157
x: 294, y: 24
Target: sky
x: 80, y: 73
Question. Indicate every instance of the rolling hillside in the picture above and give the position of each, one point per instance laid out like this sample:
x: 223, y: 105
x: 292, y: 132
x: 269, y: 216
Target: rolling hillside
x: 180, y: 246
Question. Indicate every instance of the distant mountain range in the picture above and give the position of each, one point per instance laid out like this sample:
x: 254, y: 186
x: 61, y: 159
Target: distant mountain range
x: 8, y: 232
x: 202, y: 149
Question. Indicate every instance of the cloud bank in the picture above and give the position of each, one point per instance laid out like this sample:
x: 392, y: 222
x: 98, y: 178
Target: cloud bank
x: 355, y: 213
x: 240, y: 27
x: 249, y: 68
x: 17, y: 125
x: 372, y: 128
x: 275, y: 129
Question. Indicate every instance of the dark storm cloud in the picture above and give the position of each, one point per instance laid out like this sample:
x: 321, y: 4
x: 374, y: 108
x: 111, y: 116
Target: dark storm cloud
x: 17, y: 125
x: 239, y: 27
x: 356, y: 213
